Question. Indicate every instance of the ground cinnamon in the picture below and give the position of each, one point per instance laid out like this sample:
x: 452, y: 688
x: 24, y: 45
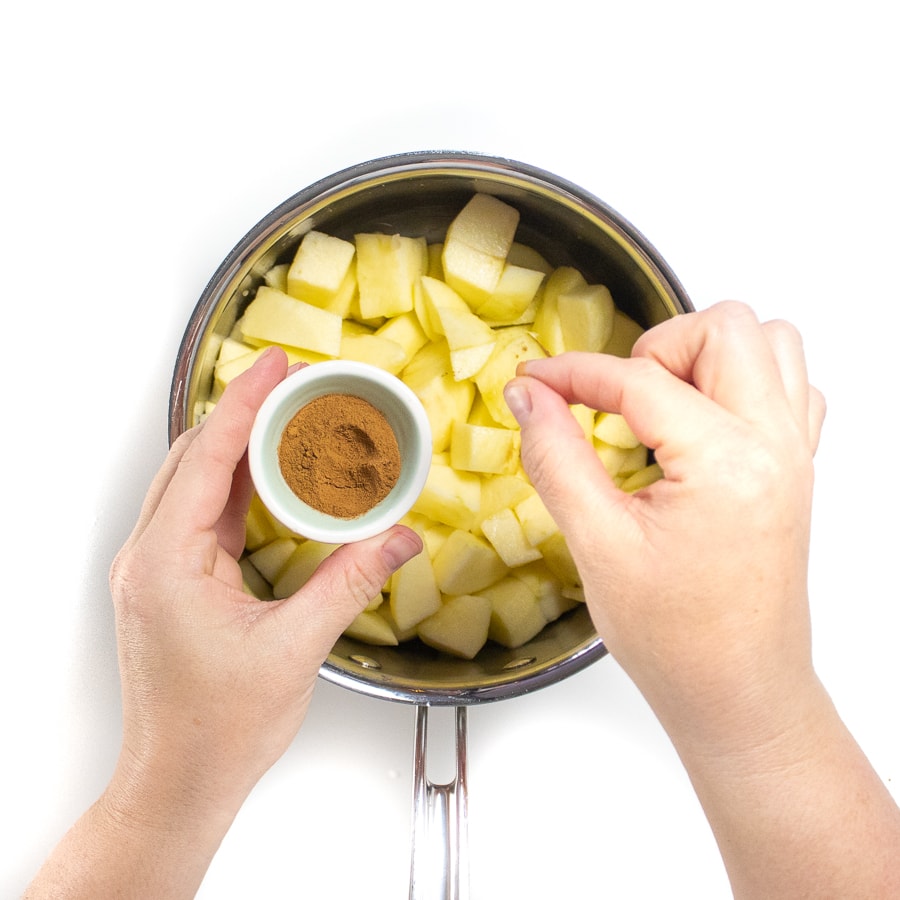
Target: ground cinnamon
x: 339, y: 455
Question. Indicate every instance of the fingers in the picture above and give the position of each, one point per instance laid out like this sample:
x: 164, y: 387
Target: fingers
x: 725, y: 353
x: 345, y: 583
x: 199, y: 489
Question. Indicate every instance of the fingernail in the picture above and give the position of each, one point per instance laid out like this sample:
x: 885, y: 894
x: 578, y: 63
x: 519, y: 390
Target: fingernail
x: 518, y: 399
x: 401, y: 547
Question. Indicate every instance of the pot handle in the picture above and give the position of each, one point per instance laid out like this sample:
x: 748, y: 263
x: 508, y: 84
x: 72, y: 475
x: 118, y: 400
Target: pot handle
x: 439, y: 868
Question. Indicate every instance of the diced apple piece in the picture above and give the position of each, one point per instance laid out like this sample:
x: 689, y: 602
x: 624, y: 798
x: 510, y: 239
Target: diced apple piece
x: 372, y: 628
x: 613, y: 429
x: 258, y: 528
x: 277, y: 317
x: 435, y: 266
x: 254, y: 582
x: 642, y: 478
x: 276, y: 277
x: 585, y: 417
x: 271, y: 558
x: 624, y: 335
x: 528, y: 258
x: 515, y: 290
x: 479, y: 448
x: 466, y: 564
x: 547, y: 589
x: 586, y: 317
x: 459, y: 627
x: 430, y: 376
x: 476, y: 245
x: 232, y: 348
x: 634, y: 459
x: 402, y: 634
x: 387, y: 268
x: 414, y: 593
x: 547, y: 326
x: 300, y: 567
x: 504, y: 532
x: 320, y: 268
x: 513, y: 346
x: 376, y: 351
x: 516, y: 614
x: 503, y: 492
x: 450, y: 497
x: 558, y: 559
x: 406, y: 331
x: 537, y: 523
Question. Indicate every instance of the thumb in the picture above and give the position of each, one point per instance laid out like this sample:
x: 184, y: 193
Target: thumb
x: 346, y: 581
x: 562, y: 465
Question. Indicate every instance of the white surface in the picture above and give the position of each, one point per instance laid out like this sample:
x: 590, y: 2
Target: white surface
x: 756, y: 149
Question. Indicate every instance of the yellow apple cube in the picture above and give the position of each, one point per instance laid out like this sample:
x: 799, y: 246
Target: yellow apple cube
x: 505, y: 534
x: 558, y: 559
x: 611, y: 428
x: 372, y: 628
x: 280, y: 318
x: 515, y: 290
x: 459, y: 627
x: 300, y: 567
x: 585, y: 317
x: 547, y: 326
x: 624, y: 335
x: 503, y: 492
x: 258, y: 528
x: 516, y: 614
x: 480, y: 448
x: 466, y: 564
x: 450, y: 497
x: 405, y: 331
x: 513, y: 346
x: 414, y: 594
x: 535, y: 519
x: 376, y: 351
x: 320, y: 268
x: 387, y: 268
x: 276, y: 277
x: 642, y: 478
x: 528, y: 258
x: 253, y: 581
x: 270, y: 559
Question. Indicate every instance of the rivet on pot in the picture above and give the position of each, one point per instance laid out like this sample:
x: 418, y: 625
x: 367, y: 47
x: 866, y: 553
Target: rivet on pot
x: 518, y: 663
x: 365, y: 661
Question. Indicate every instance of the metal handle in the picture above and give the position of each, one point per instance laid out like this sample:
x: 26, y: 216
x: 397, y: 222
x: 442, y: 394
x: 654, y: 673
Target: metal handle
x: 439, y: 868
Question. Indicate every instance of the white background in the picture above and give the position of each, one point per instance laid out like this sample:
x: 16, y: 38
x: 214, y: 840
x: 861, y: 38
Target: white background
x: 755, y: 145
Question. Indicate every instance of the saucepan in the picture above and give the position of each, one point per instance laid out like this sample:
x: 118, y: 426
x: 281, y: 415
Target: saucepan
x: 418, y: 193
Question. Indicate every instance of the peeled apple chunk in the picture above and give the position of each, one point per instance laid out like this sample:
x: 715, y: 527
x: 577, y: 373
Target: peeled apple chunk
x: 452, y: 318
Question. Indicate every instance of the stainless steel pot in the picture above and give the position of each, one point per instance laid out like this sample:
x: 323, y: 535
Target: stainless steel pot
x: 418, y: 194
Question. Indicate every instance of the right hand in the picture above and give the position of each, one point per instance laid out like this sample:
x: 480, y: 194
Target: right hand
x: 698, y: 582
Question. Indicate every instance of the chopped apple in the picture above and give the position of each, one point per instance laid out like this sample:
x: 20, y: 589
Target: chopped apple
x: 387, y: 268
x: 254, y: 582
x: 274, y: 316
x: 430, y: 376
x: 513, y: 346
x: 558, y: 559
x: 528, y: 258
x: 450, y: 497
x: 642, y: 478
x: 467, y: 563
x: 320, y: 268
x: 624, y: 335
x: 276, y: 277
x: 480, y: 448
x: 503, y: 492
x: 516, y: 614
x: 377, y: 351
x: 271, y: 558
x: 515, y: 290
x: 547, y: 327
x: 259, y: 529
x: 613, y: 429
x: 476, y: 245
x: 406, y: 331
x: 414, y: 594
x: 504, y: 532
x: 585, y: 317
x: 300, y: 567
x: 372, y: 628
x: 533, y: 515
x: 459, y: 627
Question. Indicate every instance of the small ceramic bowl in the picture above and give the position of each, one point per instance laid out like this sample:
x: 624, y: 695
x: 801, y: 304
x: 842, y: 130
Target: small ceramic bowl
x: 390, y: 396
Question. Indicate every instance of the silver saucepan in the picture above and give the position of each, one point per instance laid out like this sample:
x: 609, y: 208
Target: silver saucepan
x: 418, y: 194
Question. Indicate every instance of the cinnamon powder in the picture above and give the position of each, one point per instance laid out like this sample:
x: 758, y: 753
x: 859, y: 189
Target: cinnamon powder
x: 339, y: 455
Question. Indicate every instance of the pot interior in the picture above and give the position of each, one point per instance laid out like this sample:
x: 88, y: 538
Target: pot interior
x: 418, y: 194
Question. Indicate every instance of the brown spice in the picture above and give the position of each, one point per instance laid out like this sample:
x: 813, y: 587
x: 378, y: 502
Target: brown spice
x: 339, y: 455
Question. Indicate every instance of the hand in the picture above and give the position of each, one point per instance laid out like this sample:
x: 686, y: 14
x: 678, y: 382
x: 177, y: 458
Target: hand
x: 698, y: 582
